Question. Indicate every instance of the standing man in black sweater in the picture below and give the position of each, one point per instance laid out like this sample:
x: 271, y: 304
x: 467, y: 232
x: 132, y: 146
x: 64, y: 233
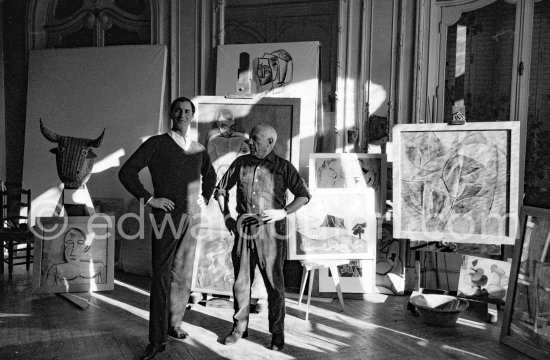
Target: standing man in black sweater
x: 176, y: 164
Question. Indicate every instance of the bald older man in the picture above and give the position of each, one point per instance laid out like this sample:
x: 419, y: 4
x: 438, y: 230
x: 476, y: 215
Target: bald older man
x: 262, y: 179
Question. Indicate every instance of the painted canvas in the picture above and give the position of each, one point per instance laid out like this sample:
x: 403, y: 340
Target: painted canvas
x: 335, y: 225
x: 484, y: 279
x: 356, y: 277
x: 526, y: 323
x: 350, y: 171
x: 213, y: 268
x: 74, y: 254
x: 386, y: 275
x: 222, y: 126
x: 275, y: 70
x: 390, y: 262
x: 456, y: 183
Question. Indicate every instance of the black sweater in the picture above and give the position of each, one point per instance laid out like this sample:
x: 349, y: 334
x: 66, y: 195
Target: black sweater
x: 176, y: 173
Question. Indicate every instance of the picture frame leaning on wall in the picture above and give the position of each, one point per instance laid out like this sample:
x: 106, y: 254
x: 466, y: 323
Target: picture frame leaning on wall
x: 526, y: 322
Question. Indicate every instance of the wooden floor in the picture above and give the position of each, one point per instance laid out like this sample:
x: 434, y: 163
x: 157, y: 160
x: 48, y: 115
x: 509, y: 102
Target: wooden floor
x: 114, y: 326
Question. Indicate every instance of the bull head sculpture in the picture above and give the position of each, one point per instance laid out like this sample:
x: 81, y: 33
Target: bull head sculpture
x: 74, y: 157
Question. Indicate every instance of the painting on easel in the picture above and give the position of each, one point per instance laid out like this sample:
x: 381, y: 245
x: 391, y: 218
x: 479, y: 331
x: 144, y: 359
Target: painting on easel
x: 456, y: 183
x: 74, y: 254
x: 526, y: 323
x: 335, y: 225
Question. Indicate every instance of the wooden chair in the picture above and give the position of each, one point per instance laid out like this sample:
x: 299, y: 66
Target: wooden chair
x: 16, y: 238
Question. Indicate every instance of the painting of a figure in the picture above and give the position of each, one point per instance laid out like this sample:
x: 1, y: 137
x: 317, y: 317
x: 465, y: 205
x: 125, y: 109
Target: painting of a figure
x: 484, y: 279
x: 526, y: 323
x: 225, y: 143
x: 458, y: 184
x: 349, y: 171
x: 74, y: 254
x: 213, y: 269
x: 336, y: 225
x: 223, y: 125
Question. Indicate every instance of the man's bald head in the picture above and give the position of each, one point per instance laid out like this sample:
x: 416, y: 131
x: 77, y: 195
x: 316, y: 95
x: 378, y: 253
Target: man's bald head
x: 262, y: 140
x: 265, y: 130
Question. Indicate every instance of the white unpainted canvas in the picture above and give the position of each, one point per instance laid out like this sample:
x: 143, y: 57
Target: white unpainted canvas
x: 79, y: 92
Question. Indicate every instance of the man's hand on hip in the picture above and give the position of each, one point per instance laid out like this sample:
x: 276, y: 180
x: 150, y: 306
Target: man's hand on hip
x: 272, y: 215
x: 162, y: 203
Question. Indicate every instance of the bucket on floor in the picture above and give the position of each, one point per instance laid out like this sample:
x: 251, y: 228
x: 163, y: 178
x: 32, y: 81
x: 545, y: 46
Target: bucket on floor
x: 439, y: 310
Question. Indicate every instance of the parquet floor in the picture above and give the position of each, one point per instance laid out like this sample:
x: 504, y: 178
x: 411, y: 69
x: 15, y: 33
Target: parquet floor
x: 114, y: 326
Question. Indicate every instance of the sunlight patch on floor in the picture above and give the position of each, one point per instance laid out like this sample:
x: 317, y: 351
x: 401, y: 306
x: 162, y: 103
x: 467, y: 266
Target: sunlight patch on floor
x: 144, y: 314
x: 131, y: 287
x: 474, y: 324
x: 361, y: 324
x: 2, y: 315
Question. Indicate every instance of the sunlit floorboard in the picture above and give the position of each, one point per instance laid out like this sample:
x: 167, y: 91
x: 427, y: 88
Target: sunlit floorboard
x: 114, y: 326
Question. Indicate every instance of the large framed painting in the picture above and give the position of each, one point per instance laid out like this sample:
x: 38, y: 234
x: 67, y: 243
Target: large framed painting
x: 350, y: 171
x: 526, y: 322
x: 275, y: 70
x: 222, y: 126
x: 213, y: 268
x: 74, y: 254
x: 335, y: 225
x: 456, y: 183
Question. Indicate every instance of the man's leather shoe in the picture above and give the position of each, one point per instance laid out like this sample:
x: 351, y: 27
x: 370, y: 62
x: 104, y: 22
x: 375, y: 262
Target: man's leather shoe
x: 235, y: 336
x: 278, y: 342
x: 177, y: 333
x: 152, y: 350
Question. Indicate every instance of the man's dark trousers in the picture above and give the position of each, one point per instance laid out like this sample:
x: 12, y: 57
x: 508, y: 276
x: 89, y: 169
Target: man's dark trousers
x: 265, y: 246
x: 173, y: 253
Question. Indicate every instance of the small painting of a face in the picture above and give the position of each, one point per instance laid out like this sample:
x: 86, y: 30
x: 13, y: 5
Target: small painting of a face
x: 265, y: 74
x: 226, y: 122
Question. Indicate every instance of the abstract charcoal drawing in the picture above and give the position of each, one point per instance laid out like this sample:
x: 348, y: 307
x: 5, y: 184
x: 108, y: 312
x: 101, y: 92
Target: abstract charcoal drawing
x: 457, y: 185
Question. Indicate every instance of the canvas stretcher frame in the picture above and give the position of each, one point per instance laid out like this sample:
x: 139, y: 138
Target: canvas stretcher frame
x: 529, y: 287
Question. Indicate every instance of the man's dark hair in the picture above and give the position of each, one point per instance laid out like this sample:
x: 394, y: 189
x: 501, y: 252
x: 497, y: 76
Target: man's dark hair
x: 181, y: 99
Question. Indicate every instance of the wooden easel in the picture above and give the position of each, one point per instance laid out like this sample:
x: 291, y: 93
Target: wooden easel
x: 309, y: 267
